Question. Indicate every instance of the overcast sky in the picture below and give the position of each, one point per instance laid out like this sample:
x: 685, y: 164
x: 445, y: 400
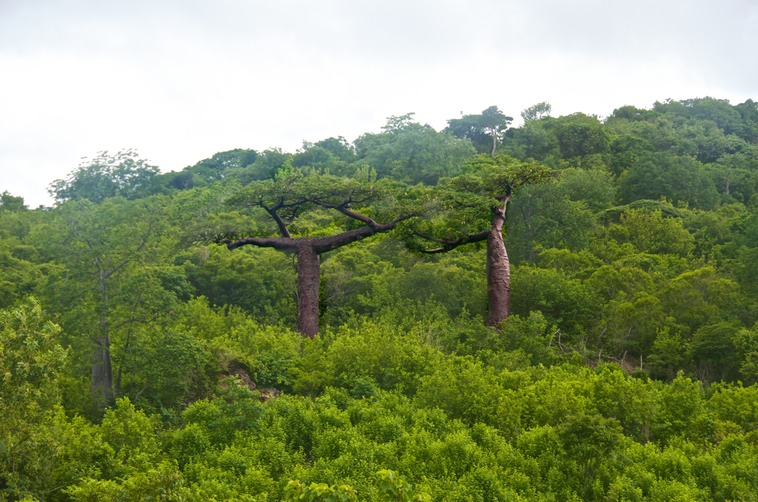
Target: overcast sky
x: 179, y: 80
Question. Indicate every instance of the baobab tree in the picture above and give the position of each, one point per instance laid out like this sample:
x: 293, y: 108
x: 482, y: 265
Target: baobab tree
x: 362, y: 209
x: 478, y: 200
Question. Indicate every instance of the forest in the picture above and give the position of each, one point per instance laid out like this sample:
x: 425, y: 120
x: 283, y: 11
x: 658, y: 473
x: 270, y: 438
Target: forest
x: 566, y: 309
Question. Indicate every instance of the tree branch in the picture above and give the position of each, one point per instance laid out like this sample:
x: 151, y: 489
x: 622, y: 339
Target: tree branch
x: 449, y: 245
x: 286, y: 244
x: 139, y: 248
x: 343, y: 208
x: 279, y: 222
x: 325, y: 244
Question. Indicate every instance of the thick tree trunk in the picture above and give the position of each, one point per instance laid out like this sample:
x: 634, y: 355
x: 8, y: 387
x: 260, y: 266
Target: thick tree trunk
x: 308, y: 282
x: 498, y: 270
x: 308, y: 261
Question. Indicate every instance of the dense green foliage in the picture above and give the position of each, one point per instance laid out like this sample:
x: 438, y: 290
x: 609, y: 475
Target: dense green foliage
x: 628, y: 369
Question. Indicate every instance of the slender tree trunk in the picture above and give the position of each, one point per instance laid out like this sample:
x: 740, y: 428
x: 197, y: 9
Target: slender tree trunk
x: 102, y: 372
x: 498, y: 270
x: 308, y: 282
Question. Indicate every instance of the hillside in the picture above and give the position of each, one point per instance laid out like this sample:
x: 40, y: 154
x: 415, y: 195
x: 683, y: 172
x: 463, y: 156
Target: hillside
x: 563, y: 310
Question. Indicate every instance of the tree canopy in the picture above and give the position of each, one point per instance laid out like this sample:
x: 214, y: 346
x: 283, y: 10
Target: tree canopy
x: 289, y: 196
x: 484, y: 130
x: 572, y: 318
x: 107, y: 175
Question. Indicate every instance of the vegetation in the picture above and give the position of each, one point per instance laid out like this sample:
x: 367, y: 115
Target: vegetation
x: 141, y: 359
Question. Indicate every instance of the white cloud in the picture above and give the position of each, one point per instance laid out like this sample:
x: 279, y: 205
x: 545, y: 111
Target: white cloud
x: 182, y: 79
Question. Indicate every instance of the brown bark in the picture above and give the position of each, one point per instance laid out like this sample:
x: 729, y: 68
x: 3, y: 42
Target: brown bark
x: 308, y: 282
x: 498, y: 263
x: 308, y: 253
x: 498, y: 270
x: 449, y: 245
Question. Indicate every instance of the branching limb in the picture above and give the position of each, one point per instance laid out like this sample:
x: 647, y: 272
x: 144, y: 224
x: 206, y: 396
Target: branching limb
x: 280, y: 223
x: 335, y: 241
x: 449, y: 245
x: 285, y: 244
x: 343, y: 208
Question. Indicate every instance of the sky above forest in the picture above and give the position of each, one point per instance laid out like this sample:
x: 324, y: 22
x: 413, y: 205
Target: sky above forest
x: 179, y: 80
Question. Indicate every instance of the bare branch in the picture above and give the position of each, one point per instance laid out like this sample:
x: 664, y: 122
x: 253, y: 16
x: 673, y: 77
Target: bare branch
x: 403, y: 217
x: 343, y: 208
x: 449, y: 245
x: 280, y: 223
x: 286, y: 244
x: 325, y: 244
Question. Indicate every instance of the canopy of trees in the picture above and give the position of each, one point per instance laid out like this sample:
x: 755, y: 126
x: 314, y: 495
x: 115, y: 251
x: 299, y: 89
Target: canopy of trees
x: 141, y: 358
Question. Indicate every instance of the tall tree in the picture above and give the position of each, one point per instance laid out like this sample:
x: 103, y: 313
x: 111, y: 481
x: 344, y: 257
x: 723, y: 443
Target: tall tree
x: 485, y: 130
x: 124, y: 174
x: 470, y: 202
x: 288, y: 199
x: 102, y: 248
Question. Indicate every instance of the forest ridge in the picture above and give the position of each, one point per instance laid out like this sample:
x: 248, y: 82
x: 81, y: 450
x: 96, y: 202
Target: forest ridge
x: 564, y: 310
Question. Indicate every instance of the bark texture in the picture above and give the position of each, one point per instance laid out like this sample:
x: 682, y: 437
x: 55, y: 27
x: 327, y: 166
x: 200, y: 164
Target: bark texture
x: 498, y: 270
x: 308, y: 282
x: 498, y: 264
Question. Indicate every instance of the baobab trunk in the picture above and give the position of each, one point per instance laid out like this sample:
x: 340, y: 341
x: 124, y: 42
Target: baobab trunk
x: 498, y: 270
x: 308, y: 251
x: 308, y: 282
